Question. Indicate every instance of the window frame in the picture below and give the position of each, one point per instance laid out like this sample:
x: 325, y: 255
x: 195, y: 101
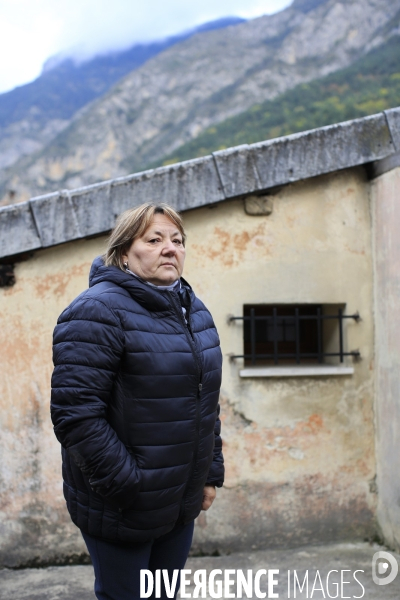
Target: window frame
x: 296, y: 362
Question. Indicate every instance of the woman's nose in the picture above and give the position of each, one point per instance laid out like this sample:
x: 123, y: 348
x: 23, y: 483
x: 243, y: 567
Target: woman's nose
x: 169, y: 247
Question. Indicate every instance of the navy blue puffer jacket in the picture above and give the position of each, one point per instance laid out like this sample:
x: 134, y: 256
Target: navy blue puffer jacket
x: 135, y: 406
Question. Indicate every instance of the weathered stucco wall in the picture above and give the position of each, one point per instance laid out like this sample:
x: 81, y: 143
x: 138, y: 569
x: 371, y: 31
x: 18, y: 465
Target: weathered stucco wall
x: 299, y: 452
x: 34, y: 526
x: 386, y: 219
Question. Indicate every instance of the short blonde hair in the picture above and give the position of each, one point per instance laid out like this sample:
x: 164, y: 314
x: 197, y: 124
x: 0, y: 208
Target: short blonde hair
x: 132, y: 224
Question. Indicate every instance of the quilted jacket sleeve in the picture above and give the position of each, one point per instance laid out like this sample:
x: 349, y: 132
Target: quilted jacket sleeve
x: 87, y: 350
x: 216, y: 472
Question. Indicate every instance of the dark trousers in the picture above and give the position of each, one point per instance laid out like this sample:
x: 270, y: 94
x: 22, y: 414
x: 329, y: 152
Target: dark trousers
x: 117, y: 566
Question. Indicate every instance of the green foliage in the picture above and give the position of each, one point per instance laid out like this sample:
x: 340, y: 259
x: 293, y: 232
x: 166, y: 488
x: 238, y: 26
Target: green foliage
x: 370, y: 85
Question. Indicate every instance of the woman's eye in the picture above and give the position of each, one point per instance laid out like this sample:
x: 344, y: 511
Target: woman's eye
x: 178, y: 242
x: 153, y: 241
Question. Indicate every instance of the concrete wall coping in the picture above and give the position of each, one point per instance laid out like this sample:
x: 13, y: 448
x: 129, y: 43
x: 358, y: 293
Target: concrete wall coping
x: 297, y: 371
x: 69, y: 215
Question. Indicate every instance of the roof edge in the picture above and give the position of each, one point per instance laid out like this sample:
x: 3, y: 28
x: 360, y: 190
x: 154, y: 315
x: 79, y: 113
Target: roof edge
x: 67, y: 215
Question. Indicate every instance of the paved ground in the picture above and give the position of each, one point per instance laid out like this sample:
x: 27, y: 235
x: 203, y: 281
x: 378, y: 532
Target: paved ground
x: 310, y: 563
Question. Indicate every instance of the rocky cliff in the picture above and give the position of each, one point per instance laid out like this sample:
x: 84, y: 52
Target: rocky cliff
x: 31, y: 115
x: 200, y: 82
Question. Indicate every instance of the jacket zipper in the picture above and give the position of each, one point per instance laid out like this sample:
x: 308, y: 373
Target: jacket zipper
x: 189, y: 335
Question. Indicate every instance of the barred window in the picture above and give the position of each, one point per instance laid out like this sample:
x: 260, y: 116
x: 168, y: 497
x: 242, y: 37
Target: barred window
x: 293, y: 334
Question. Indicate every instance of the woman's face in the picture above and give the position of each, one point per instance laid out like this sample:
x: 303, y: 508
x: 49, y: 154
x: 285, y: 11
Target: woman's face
x: 158, y: 255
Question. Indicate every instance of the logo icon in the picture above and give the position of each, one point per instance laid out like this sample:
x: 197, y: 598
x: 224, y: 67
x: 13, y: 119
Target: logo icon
x: 385, y: 564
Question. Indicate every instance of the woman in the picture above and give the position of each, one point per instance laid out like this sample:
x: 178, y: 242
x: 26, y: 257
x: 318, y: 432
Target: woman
x: 135, y: 404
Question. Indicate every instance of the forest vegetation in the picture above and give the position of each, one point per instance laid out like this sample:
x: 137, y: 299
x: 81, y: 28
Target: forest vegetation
x: 368, y: 86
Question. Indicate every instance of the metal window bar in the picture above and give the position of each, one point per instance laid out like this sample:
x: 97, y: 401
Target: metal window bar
x: 297, y: 335
x: 276, y: 356
x: 319, y: 335
x: 296, y: 318
x: 340, y: 316
x: 253, y: 336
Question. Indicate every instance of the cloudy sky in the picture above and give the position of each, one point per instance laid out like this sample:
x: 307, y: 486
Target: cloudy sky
x: 33, y: 30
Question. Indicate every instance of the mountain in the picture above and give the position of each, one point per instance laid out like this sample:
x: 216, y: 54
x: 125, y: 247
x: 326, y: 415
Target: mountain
x: 32, y: 114
x: 369, y: 86
x: 199, y: 83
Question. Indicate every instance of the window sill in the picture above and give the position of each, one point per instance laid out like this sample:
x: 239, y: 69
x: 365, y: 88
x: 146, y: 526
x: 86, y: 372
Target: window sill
x: 297, y: 371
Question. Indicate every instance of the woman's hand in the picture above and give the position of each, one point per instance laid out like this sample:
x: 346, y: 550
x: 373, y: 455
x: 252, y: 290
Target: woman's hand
x: 209, y: 494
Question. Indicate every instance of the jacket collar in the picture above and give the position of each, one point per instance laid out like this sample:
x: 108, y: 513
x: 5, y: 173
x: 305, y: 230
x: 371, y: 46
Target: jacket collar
x: 146, y: 295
